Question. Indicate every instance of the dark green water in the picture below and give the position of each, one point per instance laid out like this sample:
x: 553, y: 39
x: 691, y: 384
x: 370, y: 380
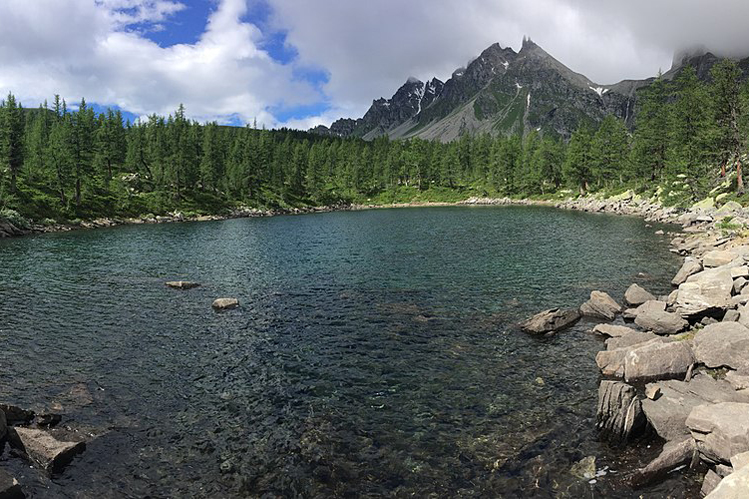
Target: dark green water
x: 375, y: 353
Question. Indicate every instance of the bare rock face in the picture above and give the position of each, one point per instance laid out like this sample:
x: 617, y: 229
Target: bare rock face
x: 550, y: 321
x: 734, y: 486
x: 721, y: 430
x: 225, y: 303
x: 636, y: 296
x: 690, y: 267
x: 657, y: 360
x: 42, y: 447
x: 182, y: 284
x: 600, y: 306
x: 620, y: 414
x: 705, y: 293
x: 725, y: 344
x: 652, y: 316
x: 668, y: 412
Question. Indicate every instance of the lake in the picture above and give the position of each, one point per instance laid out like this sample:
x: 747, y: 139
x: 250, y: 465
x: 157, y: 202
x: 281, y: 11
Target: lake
x: 375, y: 353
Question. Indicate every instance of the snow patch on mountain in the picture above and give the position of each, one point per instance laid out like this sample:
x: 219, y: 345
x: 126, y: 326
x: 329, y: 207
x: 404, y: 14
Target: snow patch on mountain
x: 599, y: 90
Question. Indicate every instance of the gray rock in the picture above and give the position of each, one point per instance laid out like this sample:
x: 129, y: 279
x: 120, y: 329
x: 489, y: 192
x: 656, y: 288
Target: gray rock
x: 740, y: 460
x: 734, y: 486
x: 718, y: 258
x: 3, y: 426
x: 225, y: 303
x: 611, y: 362
x: 620, y: 413
x: 705, y: 293
x: 636, y: 296
x: 9, y: 487
x: 600, y: 306
x: 673, y: 455
x: 551, y: 320
x: 668, y: 413
x: 14, y: 414
x: 656, y: 360
x: 629, y: 314
x: 710, y: 482
x: 690, y: 267
x: 725, y: 344
x: 612, y: 330
x: 628, y: 340
x: 731, y: 316
x: 738, y: 284
x: 652, y: 316
x: 182, y: 284
x: 720, y: 430
x: 42, y: 447
x: 723, y: 470
x: 738, y: 381
x: 741, y: 272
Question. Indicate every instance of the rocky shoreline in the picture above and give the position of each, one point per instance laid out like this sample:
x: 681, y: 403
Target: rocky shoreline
x: 677, y: 366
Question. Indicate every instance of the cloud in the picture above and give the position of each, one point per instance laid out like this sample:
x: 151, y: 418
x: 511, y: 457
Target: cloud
x: 370, y: 48
x: 79, y: 48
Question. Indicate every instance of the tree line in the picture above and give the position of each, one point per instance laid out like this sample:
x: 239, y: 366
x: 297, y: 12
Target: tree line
x: 64, y: 164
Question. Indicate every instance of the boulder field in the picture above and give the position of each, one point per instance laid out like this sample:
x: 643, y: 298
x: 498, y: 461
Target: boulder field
x: 677, y: 366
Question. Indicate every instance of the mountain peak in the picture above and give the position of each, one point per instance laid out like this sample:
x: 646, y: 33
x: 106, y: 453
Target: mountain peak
x: 412, y: 79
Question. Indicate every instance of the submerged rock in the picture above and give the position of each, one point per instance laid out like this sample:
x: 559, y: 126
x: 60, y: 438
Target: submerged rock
x: 42, y: 447
x: 225, y: 303
x: 550, y: 321
x: 619, y: 414
x: 182, y: 284
x: 9, y: 487
x: 600, y: 306
x: 636, y: 296
x: 673, y: 455
x: 585, y: 469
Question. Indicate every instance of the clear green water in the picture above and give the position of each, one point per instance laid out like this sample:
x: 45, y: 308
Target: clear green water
x: 375, y: 353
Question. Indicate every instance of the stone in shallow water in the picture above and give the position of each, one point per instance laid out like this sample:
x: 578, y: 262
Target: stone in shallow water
x: 585, y: 469
x: 636, y: 296
x: 600, y: 306
x: 551, y: 320
x: 225, y: 303
x: 44, y: 448
x: 182, y: 284
x: 9, y: 487
x: 619, y: 414
x: 673, y: 455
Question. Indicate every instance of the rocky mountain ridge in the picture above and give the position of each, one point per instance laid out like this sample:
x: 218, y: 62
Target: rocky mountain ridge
x: 506, y: 92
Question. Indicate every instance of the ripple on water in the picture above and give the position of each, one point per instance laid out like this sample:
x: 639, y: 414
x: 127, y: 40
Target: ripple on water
x: 375, y: 353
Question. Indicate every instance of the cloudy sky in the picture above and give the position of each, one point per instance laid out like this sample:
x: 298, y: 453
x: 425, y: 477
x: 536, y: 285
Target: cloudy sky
x: 300, y: 63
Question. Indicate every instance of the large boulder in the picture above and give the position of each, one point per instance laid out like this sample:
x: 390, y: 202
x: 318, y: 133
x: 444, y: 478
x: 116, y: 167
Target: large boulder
x: 631, y: 339
x: 690, y: 267
x: 636, y: 296
x: 182, y: 284
x: 652, y: 316
x: 725, y: 344
x: 600, y: 306
x: 619, y: 411
x: 734, y: 486
x: 718, y: 258
x: 705, y: 293
x: 720, y: 430
x: 42, y: 447
x: 550, y: 321
x: 668, y: 412
x: 656, y: 360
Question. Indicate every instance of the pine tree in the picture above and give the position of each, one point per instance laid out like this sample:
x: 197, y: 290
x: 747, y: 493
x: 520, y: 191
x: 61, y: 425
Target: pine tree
x: 689, y: 122
x: 727, y: 111
x: 651, y: 136
x: 578, y: 163
x: 609, y: 151
x: 11, y: 139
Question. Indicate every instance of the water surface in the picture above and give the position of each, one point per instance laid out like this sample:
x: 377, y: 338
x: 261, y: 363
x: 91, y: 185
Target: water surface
x: 375, y: 353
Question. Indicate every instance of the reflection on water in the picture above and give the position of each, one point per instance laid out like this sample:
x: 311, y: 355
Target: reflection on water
x: 374, y: 353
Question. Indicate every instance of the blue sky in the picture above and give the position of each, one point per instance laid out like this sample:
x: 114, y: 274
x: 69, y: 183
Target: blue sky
x: 300, y: 63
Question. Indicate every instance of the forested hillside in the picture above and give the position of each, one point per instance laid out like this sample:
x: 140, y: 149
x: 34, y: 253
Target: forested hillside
x: 62, y: 164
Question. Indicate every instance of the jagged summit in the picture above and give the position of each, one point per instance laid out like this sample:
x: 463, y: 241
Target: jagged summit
x: 504, y: 92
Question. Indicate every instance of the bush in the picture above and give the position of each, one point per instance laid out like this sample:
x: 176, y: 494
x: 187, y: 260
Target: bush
x: 14, y: 218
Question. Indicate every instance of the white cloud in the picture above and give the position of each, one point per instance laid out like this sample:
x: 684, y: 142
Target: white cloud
x: 81, y: 48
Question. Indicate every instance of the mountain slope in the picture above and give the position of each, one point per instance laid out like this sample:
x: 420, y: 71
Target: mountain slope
x: 505, y: 92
